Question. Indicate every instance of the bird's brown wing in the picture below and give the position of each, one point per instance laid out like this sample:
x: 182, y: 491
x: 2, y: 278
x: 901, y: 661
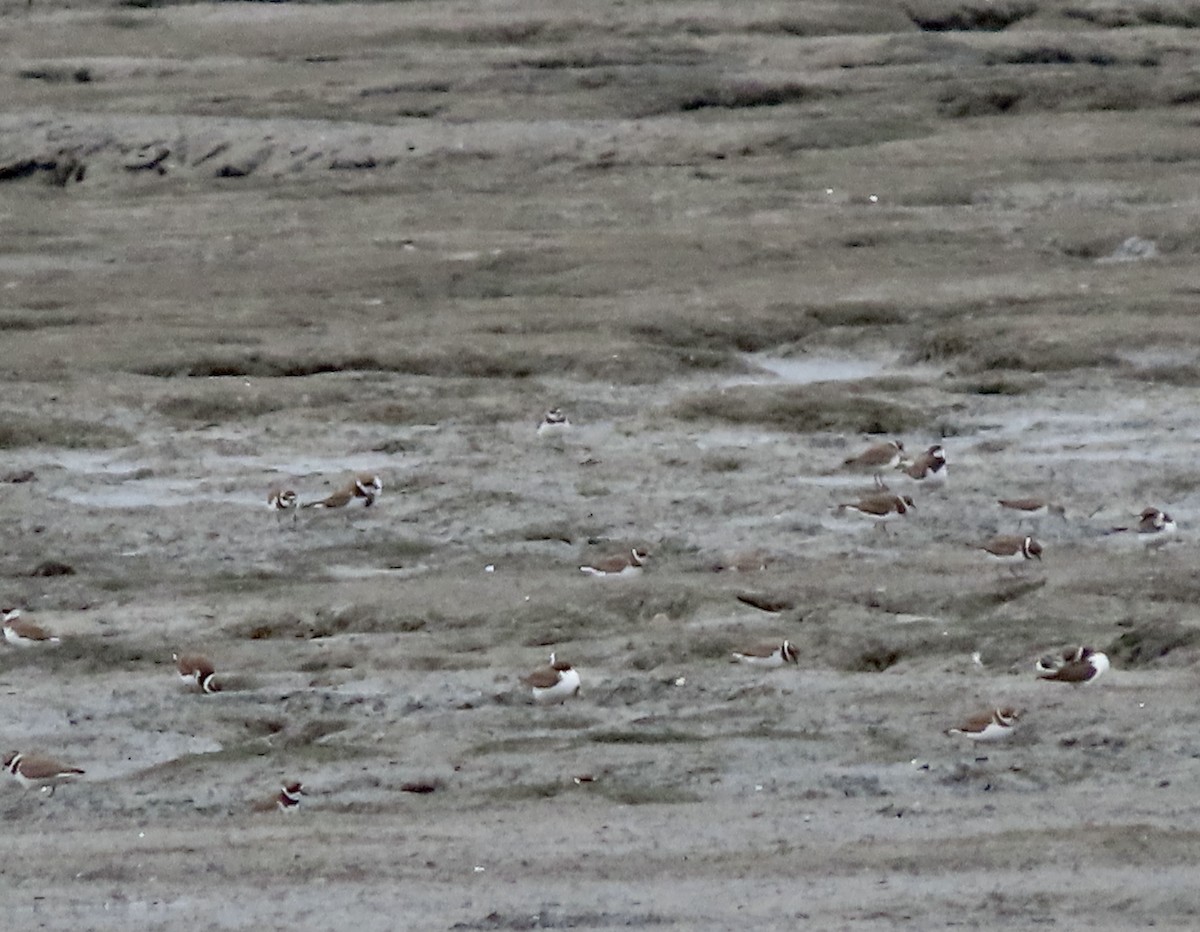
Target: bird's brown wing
x: 43, y: 768
x: 541, y: 679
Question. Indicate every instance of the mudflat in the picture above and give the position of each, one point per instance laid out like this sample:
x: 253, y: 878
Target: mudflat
x: 248, y: 246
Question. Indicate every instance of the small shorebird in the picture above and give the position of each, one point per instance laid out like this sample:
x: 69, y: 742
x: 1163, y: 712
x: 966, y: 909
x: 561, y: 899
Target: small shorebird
x: 622, y: 565
x: 36, y: 770
x: 282, y: 502
x: 1154, y: 526
x: 1073, y: 665
x: 197, y: 670
x: 368, y: 485
x: 1032, y: 508
x: 556, y: 682
x: 1014, y: 550
x: 744, y: 561
x: 288, y: 799
x: 22, y: 633
x: 929, y: 469
x: 554, y: 425
x: 772, y: 654
x: 881, y: 456
x: 365, y: 485
x: 880, y: 507
x: 994, y: 725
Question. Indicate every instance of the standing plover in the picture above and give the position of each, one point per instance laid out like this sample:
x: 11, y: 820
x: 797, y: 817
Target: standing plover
x: 625, y: 565
x: 772, y: 654
x: 37, y: 770
x: 877, y: 458
x: 22, y: 633
x: 880, y: 507
x: 988, y: 726
x: 1014, y: 550
x: 553, y: 425
x: 197, y: 670
x: 1073, y: 665
x: 556, y: 682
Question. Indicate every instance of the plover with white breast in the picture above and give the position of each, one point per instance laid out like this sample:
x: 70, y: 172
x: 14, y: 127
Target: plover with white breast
x: 554, y: 683
x: 22, y: 633
x: 39, y: 770
x: 771, y: 654
x: 623, y: 565
x: 994, y: 725
x: 1074, y: 665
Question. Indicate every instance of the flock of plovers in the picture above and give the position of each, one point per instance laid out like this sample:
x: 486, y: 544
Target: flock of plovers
x: 195, y: 670
x: 558, y: 680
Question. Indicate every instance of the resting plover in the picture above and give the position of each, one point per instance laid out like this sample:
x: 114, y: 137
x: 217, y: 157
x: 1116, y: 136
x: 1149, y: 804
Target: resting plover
x: 622, y: 565
x: 36, y: 770
x: 773, y: 654
x: 553, y: 425
x: 1154, y: 526
x: 556, y: 682
x: 1073, y: 665
x: 282, y: 502
x: 929, y: 468
x: 368, y: 485
x: 988, y: 726
x: 744, y: 561
x: 1014, y: 550
x: 288, y: 799
x: 1032, y: 507
x: 22, y: 633
x: 197, y: 670
x: 880, y: 507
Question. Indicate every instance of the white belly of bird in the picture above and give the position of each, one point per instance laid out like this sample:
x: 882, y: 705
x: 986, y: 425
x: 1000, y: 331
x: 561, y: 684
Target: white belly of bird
x: 774, y: 660
x: 1154, y: 537
x: 1017, y: 557
x: 15, y: 639
x: 566, y: 687
x: 625, y: 573
x: 992, y: 732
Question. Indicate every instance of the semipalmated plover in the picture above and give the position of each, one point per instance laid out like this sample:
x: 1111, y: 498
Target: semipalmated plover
x: 339, y: 499
x: 929, y: 468
x: 556, y: 682
x: 773, y: 654
x: 1073, y: 665
x: 880, y: 507
x: 1154, y: 526
x: 368, y: 485
x: 1032, y: 507
x: 625, y: 565
x: 878, y: 457
x: 22, y: 633
x: 282, y: 501
x: 37, y: 770
x: 745, y: 561
x: 554, y: 424
x: 988, y: 726
x: 1012, y: 549
x: 288, y: 799
x: 197, y: 670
